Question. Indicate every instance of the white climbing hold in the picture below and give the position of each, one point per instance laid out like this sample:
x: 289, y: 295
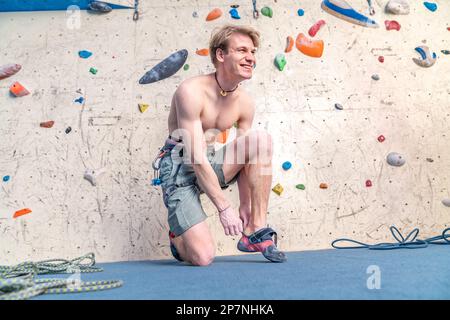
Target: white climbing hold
x: 93, y: 175
x: 446, y: 202
x: 397, y: 7
x: 395, y: 159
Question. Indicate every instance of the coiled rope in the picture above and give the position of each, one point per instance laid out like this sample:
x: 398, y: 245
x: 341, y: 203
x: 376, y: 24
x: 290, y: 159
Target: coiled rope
x: 19, y: 282
x: 410, y: 242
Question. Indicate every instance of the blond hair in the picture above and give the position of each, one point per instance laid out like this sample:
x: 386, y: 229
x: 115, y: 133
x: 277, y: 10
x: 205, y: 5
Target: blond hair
x: 219, y: 39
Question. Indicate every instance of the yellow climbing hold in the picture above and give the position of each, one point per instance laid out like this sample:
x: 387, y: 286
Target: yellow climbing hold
x: 278, y: 189
x: 143, y: 107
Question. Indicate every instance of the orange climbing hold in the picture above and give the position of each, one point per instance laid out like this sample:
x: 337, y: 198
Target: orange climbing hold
x: 18, y: 90
x: 289, y: 44
x: 223, y: 136
x: 323, y: 186
x: 214, y: 14
x: 21, y: 212
x: 202, y: 52
x: 312, y: 48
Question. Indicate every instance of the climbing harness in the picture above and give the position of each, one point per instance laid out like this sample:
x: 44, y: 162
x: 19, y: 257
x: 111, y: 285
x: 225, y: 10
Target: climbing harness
x: 156, y: 164
x: 19, y: 282
x: 136, y: 12
x: 410, y: 242
x: 255, y: 11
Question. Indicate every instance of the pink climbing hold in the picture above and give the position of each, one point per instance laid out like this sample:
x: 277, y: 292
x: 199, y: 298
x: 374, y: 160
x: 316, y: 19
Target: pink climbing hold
x: 315, y: 28
x: 392, y: 25
x: 381, y: 59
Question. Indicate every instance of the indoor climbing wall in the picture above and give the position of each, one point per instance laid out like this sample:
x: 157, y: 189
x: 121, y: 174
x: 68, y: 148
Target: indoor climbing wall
x: 358, y: 108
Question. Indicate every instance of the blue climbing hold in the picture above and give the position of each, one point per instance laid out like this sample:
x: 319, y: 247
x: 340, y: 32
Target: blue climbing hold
x: 430, y: 6
x: 300, y: 12
x: 287, y: 165
x: 234, y: 13
x: 156, y: 182
x: 84, y: 54
x: 80, y: 100
x: 5, y: 178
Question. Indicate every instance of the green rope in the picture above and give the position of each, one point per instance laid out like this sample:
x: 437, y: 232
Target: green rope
x: 19, y: 282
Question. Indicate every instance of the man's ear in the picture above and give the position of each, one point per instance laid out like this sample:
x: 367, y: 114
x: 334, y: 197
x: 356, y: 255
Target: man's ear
x: 220, y: 54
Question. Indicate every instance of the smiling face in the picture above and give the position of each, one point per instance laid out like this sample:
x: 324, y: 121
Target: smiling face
x: 239, y: 59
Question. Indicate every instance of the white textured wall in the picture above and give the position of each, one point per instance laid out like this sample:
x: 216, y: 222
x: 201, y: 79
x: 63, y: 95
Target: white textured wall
x: 123, y: 217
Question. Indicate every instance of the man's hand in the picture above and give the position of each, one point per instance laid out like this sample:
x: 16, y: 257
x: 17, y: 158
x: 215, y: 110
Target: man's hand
x: 230, y: 222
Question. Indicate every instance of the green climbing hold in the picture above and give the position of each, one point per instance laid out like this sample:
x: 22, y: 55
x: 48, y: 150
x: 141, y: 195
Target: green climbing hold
x: 186, y: 67
x: 280, y: 61
x: 93, y: 70
x: 300, y: 186
x: 267, y: 11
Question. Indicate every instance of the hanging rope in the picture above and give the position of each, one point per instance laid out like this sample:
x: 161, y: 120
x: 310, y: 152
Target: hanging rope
x: 410, y: 242
x: 255, y: 11
x: 136, y: 12
x: 19, y: 282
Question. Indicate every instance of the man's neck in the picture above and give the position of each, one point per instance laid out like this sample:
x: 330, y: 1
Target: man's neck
x: 227, y: 82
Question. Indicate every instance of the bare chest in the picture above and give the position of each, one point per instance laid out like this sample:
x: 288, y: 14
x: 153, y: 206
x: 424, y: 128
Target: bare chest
x: 219, y: 116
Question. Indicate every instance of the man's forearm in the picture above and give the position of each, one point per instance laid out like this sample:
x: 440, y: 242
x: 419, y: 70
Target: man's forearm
x: 209, y: 183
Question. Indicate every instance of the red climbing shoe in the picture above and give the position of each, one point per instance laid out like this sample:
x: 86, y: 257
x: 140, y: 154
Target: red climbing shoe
x: 173, y: 250
x: 261, y: 241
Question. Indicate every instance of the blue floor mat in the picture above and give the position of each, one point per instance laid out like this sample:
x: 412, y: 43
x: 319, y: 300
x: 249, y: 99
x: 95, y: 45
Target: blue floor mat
x: 323, y: 274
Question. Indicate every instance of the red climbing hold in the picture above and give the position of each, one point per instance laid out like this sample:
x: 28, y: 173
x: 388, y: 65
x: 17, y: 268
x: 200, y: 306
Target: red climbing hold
x: 392, y: 25
x: 47, y: 124
x: 315, y: 28
x: 381, y: 59
x: 368, y: 183
x: 21, y: 212
x: 381, y: 138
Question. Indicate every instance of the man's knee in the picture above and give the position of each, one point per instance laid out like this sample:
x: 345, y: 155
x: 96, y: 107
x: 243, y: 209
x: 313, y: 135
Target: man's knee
x: 202, y: 258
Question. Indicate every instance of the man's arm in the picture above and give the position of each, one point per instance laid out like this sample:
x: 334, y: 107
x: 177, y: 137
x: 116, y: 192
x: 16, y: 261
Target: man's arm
x: 189, y: 106
x: 246, y: 117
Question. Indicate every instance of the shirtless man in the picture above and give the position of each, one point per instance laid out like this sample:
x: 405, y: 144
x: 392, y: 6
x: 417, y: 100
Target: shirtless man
x: 202, y: 107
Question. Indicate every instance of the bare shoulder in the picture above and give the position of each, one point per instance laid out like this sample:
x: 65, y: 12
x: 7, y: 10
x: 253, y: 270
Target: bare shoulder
x: 189, y: 96
x: 247, y: 101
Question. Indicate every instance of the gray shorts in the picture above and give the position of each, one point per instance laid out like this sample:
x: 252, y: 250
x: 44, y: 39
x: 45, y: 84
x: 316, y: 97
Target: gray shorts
x: 181, y: 192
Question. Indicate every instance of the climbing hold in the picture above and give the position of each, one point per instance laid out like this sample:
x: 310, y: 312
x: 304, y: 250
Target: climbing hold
x: 300, y: 12
x: 8, y: 70
x: 286, y: 165
x: 338, y: 106
x: 300, y: 186
x: 381, y: 138
x: 445, y: 51
x: 430, y: 6
x: 214, y: 14
x: 375, y: 77
x: 93, y: 175
x: 289, y: 44
x: 21, y: 212
x: 195, y: 14
x: 368, y: 183
x: 68, y: 129
x: 312, y: 48
x: 47, y: 124
x: 6, y: 178
x: 186, y: 67
x: 18, y: 90
x: 381, y: 59
x: 202, y: 52
x: 323, y: 186
x: 280, y: 61
x: 93, y: 70
x: 143, y: 107
x: 156, y: 182
x: 397, y: 7
x: 80, y: 100
x: 99, y: 6
x: 395, y: 159
x: 392, y: 25
x: 278, y: 189
x: 222, y: 136
x: 427, y: 60
x: 234, y: 14
x: 267, y: 11
x: 165, y: 68
x: 84, y: 54
x: 341, y: 9
x: 446, y: 202
x: 448, y: 28
x: 430, y: 160
x: 316, y: 27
